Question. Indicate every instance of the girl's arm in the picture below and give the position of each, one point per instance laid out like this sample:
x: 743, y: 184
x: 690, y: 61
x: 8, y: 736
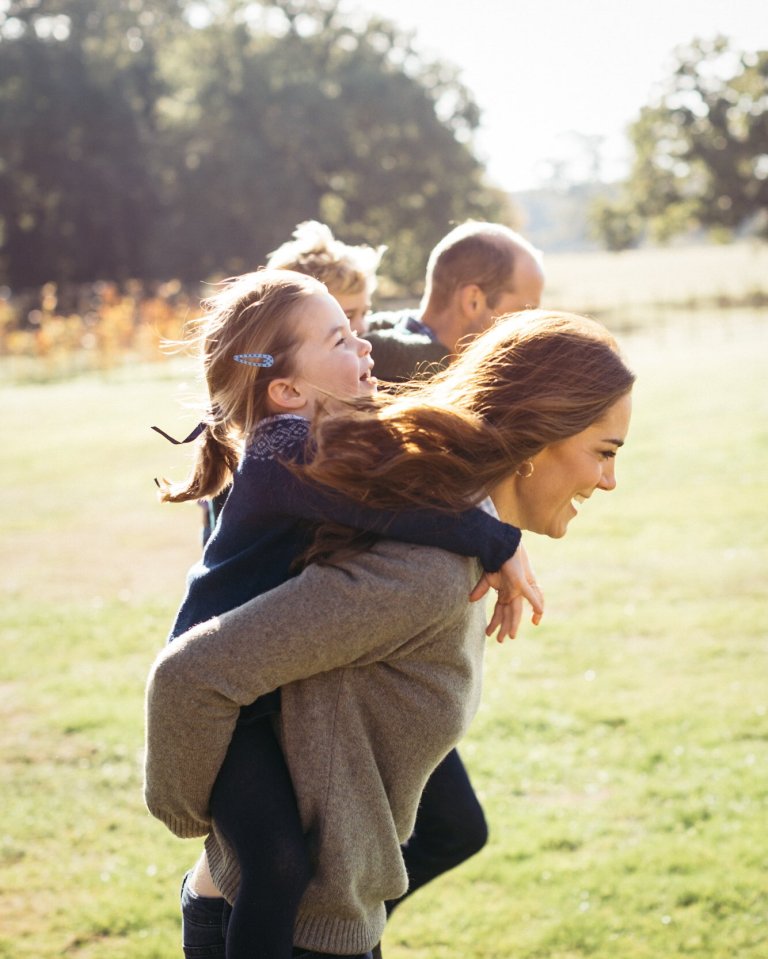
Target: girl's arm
x: 472, y: 532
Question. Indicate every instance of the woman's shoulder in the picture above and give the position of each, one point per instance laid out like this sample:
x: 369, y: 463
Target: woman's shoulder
x: 425, y: 575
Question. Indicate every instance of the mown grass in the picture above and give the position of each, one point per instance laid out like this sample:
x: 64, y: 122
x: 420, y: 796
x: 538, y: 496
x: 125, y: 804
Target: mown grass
x: 620, y: 750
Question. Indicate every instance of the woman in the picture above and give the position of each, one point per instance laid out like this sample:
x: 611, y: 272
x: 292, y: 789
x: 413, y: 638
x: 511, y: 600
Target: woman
x: 379, y: 656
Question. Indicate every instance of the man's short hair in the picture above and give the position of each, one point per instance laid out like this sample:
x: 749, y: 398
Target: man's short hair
x: 473, y: 253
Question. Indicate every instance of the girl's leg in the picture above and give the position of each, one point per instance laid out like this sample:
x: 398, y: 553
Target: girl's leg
x: 450, y: 826
x: 203, y: 924
x: 254, y: 806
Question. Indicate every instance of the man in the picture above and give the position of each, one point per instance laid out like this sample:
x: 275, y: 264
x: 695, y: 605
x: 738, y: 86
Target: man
x: 476, y: 273
x: 479, y: 271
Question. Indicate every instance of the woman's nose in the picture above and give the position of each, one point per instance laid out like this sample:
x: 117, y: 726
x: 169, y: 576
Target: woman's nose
x: 364, y: 347
x: 608, y: 480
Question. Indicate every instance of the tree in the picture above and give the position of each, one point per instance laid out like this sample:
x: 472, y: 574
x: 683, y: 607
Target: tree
x: 614, y: 224
x: 163, y: 138
x: 701, y: 147
x: 78, y: 87
x: 300, y: 112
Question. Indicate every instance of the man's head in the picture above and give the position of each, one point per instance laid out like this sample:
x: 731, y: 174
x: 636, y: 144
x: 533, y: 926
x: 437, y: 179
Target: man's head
x: 477, y: 272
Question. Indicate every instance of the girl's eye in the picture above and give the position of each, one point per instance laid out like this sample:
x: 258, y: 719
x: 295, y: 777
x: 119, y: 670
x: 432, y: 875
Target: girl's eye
x: 608, y: 454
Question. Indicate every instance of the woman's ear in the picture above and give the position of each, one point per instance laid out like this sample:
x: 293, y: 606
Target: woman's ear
x: 283, y: 395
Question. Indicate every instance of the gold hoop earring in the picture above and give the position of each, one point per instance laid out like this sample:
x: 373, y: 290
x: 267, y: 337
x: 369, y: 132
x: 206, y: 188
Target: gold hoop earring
x: 525, y: 469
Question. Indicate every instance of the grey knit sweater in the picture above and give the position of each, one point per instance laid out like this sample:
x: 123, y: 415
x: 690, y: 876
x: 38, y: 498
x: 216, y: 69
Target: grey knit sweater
x: 380, y: 662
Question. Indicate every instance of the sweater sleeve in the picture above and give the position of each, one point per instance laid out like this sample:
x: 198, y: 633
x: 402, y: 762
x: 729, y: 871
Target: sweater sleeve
x: 472, y: 532
x: 354, y: 613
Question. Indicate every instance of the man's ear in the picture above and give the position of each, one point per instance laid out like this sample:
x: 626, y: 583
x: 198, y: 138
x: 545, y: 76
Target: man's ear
x: 472, y: 300
x: 284, y: 395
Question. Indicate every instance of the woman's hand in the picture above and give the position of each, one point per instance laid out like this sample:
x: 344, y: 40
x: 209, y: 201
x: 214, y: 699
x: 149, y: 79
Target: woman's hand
x: 514, y: 582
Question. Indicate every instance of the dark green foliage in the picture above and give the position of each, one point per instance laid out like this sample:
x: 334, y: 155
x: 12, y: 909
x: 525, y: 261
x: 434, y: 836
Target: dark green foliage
x: 701, y: 150
x: 142, y: 142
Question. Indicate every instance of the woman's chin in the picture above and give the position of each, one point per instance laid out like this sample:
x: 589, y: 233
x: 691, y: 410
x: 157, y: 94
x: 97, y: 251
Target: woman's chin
x: 559, y: 529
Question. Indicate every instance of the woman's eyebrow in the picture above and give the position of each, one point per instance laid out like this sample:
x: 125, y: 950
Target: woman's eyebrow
x: 618, y: 443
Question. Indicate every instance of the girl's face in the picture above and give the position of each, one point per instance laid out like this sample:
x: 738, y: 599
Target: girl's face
x: 564, y: 475
x: 332, y: 360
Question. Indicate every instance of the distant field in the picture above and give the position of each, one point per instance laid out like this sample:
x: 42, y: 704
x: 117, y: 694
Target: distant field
x: 621, y: 750
x: 636, y: 280
x: 630, y: 290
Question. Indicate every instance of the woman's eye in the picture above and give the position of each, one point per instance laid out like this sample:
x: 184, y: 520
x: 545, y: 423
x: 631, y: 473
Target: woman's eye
x: 608, y: 454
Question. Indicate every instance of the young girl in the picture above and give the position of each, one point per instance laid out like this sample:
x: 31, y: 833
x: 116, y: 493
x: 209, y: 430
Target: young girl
x: 276, y: 348
x: 349, y: 273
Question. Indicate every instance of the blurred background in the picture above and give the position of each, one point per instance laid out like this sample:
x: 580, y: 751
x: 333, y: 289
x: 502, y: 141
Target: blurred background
x: 148, y: 147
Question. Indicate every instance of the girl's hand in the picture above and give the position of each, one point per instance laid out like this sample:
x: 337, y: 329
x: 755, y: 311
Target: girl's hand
x: 514, y: 581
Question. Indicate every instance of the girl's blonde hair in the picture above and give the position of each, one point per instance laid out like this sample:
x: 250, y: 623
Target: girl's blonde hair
x: 255, y: 313
x: 530, y: 380
x: 315, y: 251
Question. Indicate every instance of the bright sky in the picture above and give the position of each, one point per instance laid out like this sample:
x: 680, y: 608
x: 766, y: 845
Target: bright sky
x: 545, y: 72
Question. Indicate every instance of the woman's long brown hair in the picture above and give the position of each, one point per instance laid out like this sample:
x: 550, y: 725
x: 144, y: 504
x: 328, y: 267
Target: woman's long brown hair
x: 534, y: 378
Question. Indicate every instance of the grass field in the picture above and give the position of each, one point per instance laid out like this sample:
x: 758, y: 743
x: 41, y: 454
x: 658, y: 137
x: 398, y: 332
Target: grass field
x: 633, y: 286
x: 621, y: 749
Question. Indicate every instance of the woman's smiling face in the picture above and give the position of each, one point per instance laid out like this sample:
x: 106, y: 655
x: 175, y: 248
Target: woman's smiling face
x: 565, y: 473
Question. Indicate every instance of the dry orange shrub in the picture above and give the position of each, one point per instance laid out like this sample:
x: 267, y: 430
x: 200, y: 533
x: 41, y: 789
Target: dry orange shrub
x: 97, y: 326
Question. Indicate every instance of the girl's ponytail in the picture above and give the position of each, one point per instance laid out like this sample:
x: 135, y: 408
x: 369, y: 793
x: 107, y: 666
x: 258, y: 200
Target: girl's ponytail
x: 216, y: 459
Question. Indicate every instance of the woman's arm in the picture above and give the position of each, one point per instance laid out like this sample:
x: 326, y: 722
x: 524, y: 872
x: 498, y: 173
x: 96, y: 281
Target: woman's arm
x: 360, y: 611
x: 472, y: 532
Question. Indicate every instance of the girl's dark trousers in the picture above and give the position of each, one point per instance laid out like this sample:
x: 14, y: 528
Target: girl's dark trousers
x: 254, y: 806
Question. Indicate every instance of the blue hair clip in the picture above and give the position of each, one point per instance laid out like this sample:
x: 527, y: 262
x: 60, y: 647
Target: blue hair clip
x: 255, y: 359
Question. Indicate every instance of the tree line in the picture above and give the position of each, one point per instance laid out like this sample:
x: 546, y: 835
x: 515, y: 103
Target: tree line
x: 700, y: 152
x: 167, y: 138
x: 158, y: 139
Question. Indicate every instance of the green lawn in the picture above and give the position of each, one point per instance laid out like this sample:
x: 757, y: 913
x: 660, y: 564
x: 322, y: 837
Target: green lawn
x: 620, y: 750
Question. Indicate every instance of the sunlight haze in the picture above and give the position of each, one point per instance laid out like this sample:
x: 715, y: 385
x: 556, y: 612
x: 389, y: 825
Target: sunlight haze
x: 550, y: 73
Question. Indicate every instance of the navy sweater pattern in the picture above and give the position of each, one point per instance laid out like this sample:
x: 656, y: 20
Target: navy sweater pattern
x: 270, y: 516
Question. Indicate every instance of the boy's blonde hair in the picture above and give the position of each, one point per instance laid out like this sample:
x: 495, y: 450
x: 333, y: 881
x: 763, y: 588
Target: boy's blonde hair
x: 316, y: 252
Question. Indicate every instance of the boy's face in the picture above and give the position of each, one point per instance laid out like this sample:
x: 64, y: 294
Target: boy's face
x: 356, y: 307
